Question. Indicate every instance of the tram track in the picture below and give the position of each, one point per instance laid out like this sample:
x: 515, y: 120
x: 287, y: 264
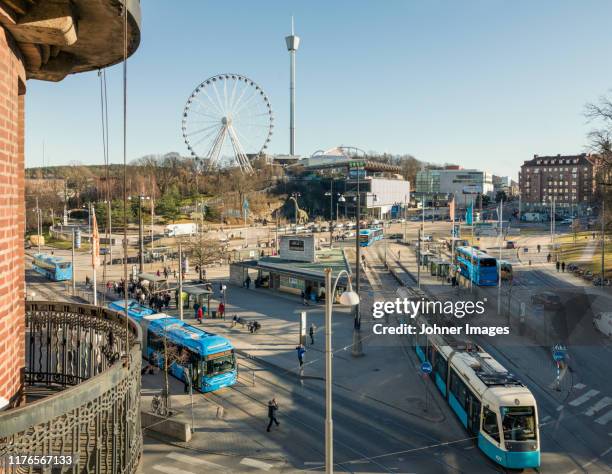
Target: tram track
x: 400, y: 436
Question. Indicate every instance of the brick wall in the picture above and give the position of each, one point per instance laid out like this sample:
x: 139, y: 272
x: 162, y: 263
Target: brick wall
x: 12, y: 200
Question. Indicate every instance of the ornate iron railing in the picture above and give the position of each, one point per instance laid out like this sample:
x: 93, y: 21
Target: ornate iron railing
x: 90, y: 359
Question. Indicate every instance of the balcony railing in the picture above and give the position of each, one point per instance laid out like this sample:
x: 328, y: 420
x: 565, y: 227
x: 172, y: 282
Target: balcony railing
x: 86, y: 360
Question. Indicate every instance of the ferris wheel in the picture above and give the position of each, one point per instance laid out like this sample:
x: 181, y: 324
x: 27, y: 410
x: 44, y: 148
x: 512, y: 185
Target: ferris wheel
x: 227, y: 119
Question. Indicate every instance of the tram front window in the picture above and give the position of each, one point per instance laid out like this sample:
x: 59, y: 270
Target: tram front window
x: 220, y: 365
x: 518, y: 423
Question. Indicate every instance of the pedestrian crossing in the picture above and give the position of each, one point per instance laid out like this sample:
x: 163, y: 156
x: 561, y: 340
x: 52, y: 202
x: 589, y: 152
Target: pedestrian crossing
x: 595, y: 405
x: 181, y: 463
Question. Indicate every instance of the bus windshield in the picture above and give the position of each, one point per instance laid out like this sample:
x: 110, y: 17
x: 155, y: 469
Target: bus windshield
x: 518, y: 423
x: 488, y: 262
x: 220, y: 365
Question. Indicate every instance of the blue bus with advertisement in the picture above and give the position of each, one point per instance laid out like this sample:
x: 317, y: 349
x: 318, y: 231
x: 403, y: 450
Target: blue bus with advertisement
x: 476, y: 265
x: 52, y: 267
x: 206, y: 358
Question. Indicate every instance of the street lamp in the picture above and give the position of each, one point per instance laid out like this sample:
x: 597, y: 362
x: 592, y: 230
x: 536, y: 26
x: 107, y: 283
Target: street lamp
x: 140, y: 232
x: 348, y: 298
x: 331, y: 213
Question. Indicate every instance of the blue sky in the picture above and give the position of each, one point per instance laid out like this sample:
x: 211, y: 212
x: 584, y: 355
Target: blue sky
x: 482, y: 83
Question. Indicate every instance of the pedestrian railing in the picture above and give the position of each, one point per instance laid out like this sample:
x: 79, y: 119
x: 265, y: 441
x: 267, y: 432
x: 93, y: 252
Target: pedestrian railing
x: 86, y: 360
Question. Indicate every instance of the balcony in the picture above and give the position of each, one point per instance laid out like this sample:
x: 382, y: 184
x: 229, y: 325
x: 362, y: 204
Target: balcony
x: 82, y: 384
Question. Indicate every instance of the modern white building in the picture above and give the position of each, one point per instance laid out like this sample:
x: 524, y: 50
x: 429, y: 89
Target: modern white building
x: 455, y: 181
x: 379, y: 195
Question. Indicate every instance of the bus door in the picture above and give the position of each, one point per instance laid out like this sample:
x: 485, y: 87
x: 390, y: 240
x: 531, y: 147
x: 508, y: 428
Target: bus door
x: 473, y: 413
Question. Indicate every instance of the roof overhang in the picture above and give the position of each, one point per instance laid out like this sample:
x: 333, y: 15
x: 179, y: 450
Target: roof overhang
x: 61, y: 37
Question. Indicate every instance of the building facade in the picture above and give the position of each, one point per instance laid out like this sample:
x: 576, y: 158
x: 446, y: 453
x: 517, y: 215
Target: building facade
x: 44, y: 40
x: 569, y: 180
x: 453, y: 181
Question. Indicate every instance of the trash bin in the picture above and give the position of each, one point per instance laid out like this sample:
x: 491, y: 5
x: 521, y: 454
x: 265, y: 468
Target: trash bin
x: 213, y: 314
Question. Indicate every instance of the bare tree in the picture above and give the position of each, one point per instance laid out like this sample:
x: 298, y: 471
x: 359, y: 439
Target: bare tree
x: 205, y: 251
x: 172, y: 354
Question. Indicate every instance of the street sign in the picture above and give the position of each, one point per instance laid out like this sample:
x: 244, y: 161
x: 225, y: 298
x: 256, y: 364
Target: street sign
x: 426, y: 367
x: 559, y: 352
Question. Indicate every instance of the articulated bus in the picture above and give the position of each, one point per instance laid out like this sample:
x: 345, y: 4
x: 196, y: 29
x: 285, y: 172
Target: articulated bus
x: 205, y: 358
x: 477, y: 266
x: 492, y: 405
x: 368, y: 236
x: 135, y: 309
x: 52, y: 267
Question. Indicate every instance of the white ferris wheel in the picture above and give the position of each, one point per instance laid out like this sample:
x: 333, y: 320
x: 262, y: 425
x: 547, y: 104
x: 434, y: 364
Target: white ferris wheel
x: 227, y: 120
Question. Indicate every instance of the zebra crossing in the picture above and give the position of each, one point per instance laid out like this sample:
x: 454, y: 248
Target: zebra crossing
x: 181, y: 463
x: 595, y: 405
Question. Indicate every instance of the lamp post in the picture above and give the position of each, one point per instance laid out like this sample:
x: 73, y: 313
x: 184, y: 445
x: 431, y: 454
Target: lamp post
x: 140, y: 233
x: 330, y: 193
x: 341, y: 198
x: 348, y: 298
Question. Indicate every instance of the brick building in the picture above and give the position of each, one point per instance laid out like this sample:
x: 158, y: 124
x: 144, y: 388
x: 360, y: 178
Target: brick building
x: 44, y: 40
x: 569, y: 179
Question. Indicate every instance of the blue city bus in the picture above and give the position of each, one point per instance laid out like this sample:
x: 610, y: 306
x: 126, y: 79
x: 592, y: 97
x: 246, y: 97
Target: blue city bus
x: 368, y: 236
x: 477, y: 266
x: 207, y: 359
x: 52, y: 267
x: 135, y: 309
x: 491, y: 403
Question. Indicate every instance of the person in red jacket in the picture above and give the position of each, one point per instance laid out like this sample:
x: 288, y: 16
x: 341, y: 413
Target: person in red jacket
x: 200, y: 314
x: 221, y: 310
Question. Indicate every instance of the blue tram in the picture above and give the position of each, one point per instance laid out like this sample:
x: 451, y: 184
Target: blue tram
x: 52, y: 267
x: 490, y: 402
x: 368, y: 236
x: 476, y: 265
x: 205, y: 358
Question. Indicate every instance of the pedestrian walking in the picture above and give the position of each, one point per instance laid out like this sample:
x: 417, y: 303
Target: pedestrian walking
x: 196, y: 307
x: 311, y: 332
x: 272, y: 409
x: 558, y: 265
x: 221, y: 310
x: 304, y: 301
x: 248, y: 282
x: 234, y: 320
x: 548, y: 258
x: 158, y: 272
x: 200, y: 314
x: 301, y: 350
x: 563, y: 267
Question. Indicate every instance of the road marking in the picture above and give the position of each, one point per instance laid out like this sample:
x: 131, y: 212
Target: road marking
x: 193, y: 460
x: 313, y: 463
x: 584, y: 398
x: 255, y: 463
x: 170, y: 469
x: 602, y: 420
x: 600, y: 405
x: 579, y: 386
x: 560, y: 407
x: 545, y: 419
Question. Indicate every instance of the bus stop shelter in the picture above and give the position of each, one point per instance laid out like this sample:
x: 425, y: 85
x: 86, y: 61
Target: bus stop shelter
x: 200, y: 295
x: 153, y: 282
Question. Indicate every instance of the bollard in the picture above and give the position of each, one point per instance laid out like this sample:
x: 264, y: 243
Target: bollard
x: 220, y: 412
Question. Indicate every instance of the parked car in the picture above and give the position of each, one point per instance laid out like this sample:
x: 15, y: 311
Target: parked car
x: 510, y: 244
x: 547, y: 300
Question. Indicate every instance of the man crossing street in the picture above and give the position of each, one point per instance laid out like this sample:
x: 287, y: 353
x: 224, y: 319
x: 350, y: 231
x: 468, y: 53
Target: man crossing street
x: 272, y: 409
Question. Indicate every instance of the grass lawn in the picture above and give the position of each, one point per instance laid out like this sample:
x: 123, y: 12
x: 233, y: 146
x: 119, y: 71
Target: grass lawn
x: 65, y: 244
